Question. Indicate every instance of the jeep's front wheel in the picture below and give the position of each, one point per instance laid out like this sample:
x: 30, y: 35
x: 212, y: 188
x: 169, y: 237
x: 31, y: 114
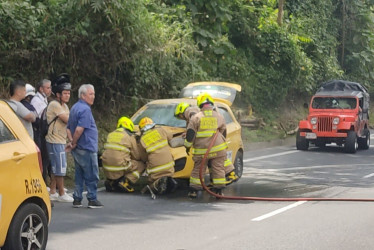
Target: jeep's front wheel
x: 351, y: 144
x: 301, y: 142
x: 364, y: 143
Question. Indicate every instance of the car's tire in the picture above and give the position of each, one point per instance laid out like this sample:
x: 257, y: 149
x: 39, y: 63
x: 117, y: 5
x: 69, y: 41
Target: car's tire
x: 351, y: 144
x: 238, y: 164
x: 364, y: 143
x: 301, y: 142
x: 28, y: 229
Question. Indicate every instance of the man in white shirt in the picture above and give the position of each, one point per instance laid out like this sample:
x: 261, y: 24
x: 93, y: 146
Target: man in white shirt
x: 40, y: 100
x: 17, y: 93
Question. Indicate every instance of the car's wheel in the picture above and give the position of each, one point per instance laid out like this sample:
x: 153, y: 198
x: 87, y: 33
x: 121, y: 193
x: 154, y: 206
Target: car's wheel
x: 301, y: 142
x: 28, y: 229
x: 238, y: 164
x: 364, y: 143
x: 351, y: 144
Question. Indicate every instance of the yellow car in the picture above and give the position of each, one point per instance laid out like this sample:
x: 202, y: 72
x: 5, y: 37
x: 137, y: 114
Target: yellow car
x: 162, y: 113
x: 25, y: 208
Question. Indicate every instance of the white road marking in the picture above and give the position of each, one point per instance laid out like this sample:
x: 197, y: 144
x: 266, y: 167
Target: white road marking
x: 368, y: 176
x: 269, y: 156
x: 278, y: 211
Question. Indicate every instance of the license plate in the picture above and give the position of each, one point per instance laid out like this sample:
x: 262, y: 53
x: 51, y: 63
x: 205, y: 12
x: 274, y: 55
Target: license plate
x: 310, y: 136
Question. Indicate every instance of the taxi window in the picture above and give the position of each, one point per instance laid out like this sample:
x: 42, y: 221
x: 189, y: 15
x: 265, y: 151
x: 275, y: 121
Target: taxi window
x: 5, y: 134
x: 226, y: 115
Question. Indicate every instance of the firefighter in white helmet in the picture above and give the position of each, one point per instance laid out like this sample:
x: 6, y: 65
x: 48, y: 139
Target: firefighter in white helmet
x: 123, y: 159
x: 160, y: 162
x: 185, y: 111
x: 200, y: 132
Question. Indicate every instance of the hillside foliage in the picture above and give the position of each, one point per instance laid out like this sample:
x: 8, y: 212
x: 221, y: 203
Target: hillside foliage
x: 136, y: 50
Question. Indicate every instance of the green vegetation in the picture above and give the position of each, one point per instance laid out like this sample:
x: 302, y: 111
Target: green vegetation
x: 136, y: 50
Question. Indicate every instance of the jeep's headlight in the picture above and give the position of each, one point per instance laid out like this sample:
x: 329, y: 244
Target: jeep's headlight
x: 313, y: 120
x: 335, y: 121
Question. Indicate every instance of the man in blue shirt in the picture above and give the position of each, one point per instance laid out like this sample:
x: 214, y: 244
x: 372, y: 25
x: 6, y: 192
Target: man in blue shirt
x: 83, y: 137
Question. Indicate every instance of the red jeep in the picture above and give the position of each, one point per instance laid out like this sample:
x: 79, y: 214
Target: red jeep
x: 338, y: 113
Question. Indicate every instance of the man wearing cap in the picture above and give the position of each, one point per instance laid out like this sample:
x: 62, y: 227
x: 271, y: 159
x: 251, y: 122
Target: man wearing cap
x: 30, y: 93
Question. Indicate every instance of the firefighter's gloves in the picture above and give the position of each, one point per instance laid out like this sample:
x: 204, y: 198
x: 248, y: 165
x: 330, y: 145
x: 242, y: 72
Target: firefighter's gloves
x: 188, y: 151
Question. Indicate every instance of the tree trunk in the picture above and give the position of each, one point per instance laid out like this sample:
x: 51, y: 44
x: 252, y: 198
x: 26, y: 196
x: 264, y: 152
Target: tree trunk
x: 344, y: 17
x: 280, y: 12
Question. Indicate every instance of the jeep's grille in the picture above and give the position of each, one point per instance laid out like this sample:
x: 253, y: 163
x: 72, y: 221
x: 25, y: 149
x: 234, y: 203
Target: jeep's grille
x: 324, y: 124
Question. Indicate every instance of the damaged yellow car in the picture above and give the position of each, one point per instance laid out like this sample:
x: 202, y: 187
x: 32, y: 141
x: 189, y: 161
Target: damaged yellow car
x: 162, y: 113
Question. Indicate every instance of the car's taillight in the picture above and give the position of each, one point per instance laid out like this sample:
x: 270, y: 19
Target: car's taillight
x: 39, y: 159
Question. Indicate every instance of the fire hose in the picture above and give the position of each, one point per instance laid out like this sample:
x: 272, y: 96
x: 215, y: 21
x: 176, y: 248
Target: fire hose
x: 219, y: 196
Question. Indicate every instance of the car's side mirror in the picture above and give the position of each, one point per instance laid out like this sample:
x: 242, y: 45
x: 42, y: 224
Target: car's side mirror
x: 305, y: 105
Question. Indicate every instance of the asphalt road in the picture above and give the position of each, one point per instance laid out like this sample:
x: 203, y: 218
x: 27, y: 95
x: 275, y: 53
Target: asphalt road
x: 135, y: 221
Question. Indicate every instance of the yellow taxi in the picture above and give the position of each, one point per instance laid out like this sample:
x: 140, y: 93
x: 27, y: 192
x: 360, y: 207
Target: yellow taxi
x: 162, y: 113
x: 25, y: 208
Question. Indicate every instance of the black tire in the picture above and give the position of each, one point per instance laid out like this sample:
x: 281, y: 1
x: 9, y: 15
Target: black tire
x: 238, y: 163
x: 351, y: 144
x: 301, y: 142
x: 364, y: 143
x: 28, y: 229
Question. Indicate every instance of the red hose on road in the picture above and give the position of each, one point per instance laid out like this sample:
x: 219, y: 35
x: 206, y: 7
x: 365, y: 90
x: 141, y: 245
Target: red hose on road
x: 262, y: 198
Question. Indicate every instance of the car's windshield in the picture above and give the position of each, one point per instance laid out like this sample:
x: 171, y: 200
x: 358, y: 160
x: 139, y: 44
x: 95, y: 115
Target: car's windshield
x: 162, y: 114
x: 334, y: 103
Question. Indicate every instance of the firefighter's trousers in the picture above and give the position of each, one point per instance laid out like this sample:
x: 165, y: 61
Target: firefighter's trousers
x: 217, y: 172
x: 132, y: 174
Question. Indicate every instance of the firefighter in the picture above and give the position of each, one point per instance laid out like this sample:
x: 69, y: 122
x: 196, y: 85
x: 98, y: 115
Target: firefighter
x: 185, y: 111
x: 200, y: 132
x: 123, y: 159
x: 160, y: 162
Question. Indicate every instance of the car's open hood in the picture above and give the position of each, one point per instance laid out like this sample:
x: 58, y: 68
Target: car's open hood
x: 222, y: 91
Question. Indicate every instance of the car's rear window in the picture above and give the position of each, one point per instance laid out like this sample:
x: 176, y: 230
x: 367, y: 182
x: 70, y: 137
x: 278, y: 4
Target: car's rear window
x: 161, y: 114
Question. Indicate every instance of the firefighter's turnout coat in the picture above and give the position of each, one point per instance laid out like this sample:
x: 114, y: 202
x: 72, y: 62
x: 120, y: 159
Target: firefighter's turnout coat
x: 160, y: 161
x: 123, y: 156
x: 200, y: 132
x: 191, y: 111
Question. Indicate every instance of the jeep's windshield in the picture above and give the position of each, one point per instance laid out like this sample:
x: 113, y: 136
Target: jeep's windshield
x: 334, y: 103
x: 161, y: 114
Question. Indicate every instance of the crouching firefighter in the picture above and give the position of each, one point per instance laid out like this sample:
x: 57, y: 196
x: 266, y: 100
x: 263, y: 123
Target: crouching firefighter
x: 200, y: 132
x: 123, y: 159
x: 160, y: 162
x: 185, y: 111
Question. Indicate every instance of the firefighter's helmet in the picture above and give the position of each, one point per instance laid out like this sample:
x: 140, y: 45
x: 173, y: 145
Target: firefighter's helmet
x: 179, y: 110
x: 146, y: 123
x: 204, y: 98
x: 126, y: 123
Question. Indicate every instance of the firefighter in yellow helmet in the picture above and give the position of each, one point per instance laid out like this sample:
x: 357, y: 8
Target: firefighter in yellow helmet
x: 200, y: 132
x: 185, y: 111
x: 160, y: 162
x: 123, y: 159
